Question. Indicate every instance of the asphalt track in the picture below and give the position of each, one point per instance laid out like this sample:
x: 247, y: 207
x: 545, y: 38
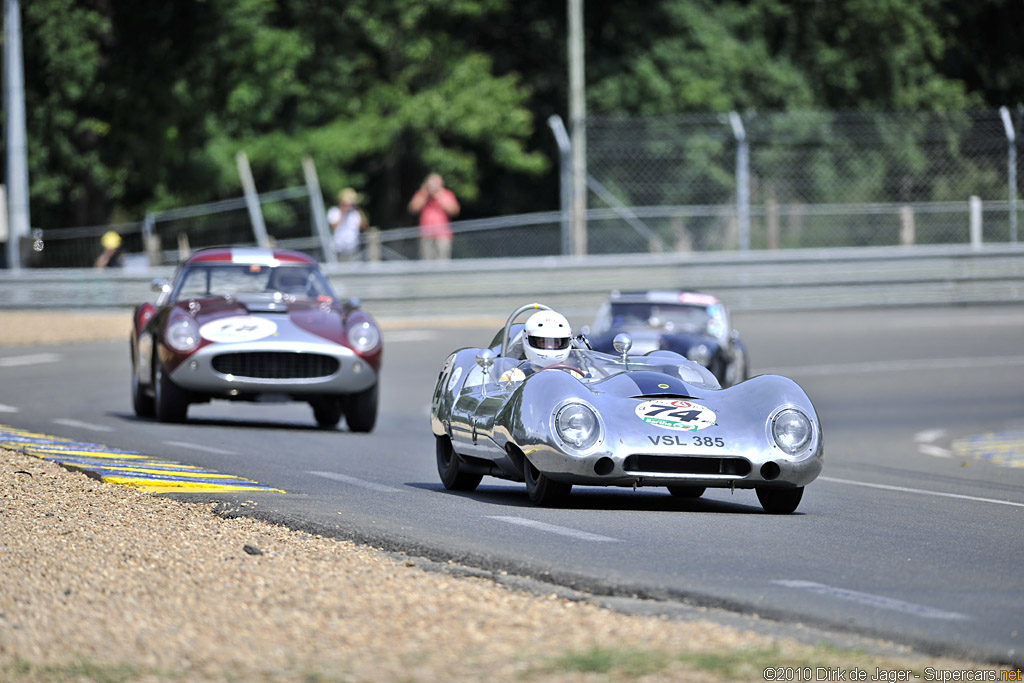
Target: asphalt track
x: 913, y: 532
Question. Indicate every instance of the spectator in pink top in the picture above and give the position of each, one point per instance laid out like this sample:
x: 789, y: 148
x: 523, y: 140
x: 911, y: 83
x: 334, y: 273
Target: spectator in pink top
x: 435, y: 204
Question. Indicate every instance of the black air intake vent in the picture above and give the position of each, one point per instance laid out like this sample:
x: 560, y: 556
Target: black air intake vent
x: 677, y: 464
x: 276, y: 365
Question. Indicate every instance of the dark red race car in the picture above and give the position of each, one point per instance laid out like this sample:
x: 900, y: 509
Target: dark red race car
x: 246, y: 324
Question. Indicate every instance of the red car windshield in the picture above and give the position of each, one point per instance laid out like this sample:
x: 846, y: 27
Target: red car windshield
x: 206, y: 280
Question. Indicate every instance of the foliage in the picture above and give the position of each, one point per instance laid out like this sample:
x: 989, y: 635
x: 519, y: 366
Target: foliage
x: 141, y: 106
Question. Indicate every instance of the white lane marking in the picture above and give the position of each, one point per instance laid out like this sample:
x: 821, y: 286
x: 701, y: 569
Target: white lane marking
x: 553, y: 529
x: 200, y: 447
x: 870, y: 599
x: 82, y: 425
x: 344, y: 478
x: 410, y: 335
x: 8, y: 409
x: 929, y: 435
x: 902, y: 489
x: 33, y: 359
x: 899, y: 366
x: 932, y: 449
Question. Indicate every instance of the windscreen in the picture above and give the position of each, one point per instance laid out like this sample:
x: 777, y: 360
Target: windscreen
x: 298, y: 282
x: 671, y: 317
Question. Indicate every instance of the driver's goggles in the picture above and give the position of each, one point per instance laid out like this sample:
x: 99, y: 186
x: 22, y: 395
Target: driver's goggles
x: 548, y: 343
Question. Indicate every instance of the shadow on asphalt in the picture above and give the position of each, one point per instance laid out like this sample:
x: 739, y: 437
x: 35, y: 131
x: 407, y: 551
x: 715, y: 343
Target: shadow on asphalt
x: 654, y: 499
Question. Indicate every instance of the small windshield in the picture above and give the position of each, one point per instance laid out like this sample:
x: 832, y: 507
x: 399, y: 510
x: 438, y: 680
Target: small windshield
x: 293, y: 281
x: 672, y: 317
x: 593, y: 366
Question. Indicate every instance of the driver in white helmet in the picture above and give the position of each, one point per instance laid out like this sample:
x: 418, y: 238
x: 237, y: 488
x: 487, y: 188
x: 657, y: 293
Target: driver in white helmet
x: 547, y: 337
x: 547, y: 340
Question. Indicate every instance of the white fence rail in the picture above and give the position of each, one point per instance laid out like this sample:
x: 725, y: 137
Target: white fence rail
x: 782, y: 280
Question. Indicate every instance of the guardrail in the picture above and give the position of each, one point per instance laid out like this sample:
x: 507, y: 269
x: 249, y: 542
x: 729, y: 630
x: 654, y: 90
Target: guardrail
x: 758, y: 280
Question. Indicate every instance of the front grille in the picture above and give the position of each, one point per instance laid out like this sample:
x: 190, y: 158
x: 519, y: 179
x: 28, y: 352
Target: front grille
x: 276, y: 365
x: 680, y: 464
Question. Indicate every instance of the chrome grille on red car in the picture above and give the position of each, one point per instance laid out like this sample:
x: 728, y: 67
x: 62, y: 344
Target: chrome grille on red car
x: 276, y: 365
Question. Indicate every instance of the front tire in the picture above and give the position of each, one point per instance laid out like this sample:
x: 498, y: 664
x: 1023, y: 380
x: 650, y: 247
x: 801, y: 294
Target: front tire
x: 361, y: 409
x: 543, y: 490
x: 327, y: 411
x: 171, y: 402
x: 141, y: 401
x: 780, y: 501
x: 448, y: 468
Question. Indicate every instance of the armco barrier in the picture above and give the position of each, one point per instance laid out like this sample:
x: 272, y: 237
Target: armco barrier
x: 758, y: 280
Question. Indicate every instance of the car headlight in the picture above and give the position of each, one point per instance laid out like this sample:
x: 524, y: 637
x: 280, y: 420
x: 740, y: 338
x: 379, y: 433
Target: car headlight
x: 577, y: 425
x: 792, y: 431
x: 364, y: 336
x: 182, y: 334
x: 700, y: 354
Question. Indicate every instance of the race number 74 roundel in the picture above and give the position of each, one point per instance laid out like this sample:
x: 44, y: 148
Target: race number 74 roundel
x: 676, y: 414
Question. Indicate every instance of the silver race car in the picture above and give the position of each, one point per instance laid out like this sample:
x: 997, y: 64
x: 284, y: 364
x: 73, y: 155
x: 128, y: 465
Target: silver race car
x: 578, y: 416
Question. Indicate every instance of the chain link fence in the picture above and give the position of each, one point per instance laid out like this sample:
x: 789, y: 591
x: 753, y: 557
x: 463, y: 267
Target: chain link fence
x: 164, y: 237
x: 678, y: 184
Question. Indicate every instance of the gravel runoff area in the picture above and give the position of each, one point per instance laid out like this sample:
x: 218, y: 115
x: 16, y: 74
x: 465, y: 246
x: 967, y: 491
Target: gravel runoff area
x: 100, y: 582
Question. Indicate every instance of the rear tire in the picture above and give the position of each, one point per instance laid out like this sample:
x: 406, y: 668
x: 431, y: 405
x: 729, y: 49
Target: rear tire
x: 448, y: 468
x: 171, y: 401
x: 780, y: 501
x: 687, y: 491
x: 327, y: 411
x: 361, y: 409
x: 542, y: 490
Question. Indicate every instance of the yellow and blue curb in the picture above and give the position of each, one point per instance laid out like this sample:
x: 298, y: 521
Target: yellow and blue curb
x: 1003, y: 447
x: 128, y: 468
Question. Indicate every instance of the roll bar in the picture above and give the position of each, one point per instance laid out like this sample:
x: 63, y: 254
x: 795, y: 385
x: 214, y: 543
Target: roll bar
x: 512, y: 318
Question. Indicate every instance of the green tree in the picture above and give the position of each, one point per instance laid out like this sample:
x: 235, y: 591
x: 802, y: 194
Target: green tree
x: 395, y: 92
x: 136, y: 106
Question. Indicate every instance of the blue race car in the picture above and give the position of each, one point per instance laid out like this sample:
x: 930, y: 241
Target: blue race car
x: 692, y: 324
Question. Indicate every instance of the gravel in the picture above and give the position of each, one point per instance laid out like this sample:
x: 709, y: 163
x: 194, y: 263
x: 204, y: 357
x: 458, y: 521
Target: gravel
x: 100, y: 582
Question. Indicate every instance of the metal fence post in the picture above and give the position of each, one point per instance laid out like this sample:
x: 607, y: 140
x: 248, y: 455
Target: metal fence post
x: 252, y: 200
x: 151, y: 241
x: 1011, y: 141
x: 578, y: 121
x: 975, y: 211
x: 19, y: 221
x: 316, y: 208
x: 742, y: 180
x: 564, y: 177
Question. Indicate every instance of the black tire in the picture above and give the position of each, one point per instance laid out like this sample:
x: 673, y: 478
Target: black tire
x: 327, y: 411
x: 687, y: 491
x: 141, y: 401
x: 361, y: 410
x: 542, y: 490
x: 171, y: 401
x: 780, y: 501
x: 448, y: 467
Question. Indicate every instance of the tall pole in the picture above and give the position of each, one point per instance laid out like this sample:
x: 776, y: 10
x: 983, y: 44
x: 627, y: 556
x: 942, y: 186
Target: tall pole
x: 1011, y: 140
x: 17, y: 160
x: 577, y: 120
x: 316, y: 206
x: 564, y: 177
x: 742, y: 180
x: 252, y: 200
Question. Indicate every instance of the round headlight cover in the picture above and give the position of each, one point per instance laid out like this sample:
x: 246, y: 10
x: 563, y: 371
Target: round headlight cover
x: 792, y: 431
x: 182, y: 334
x: 577, y: 425
x: 364, y: 336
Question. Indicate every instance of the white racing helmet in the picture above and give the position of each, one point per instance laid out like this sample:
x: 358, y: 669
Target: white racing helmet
x: 547, y: 336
